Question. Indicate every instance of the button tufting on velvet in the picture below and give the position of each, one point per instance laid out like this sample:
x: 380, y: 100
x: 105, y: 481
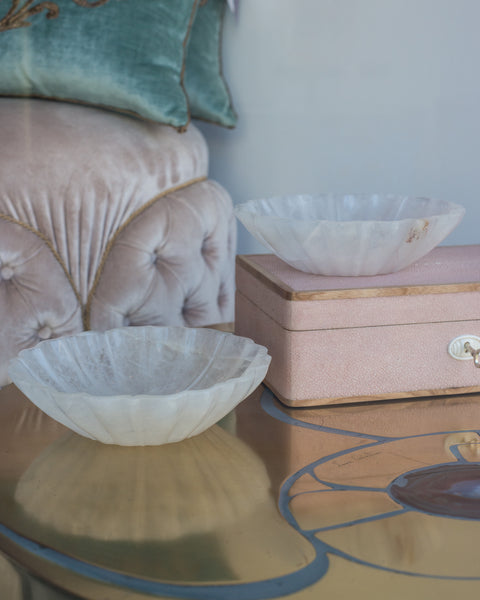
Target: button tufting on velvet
x: 173, y: 258
x: 44, y: 333
x: 6, y: 272
x: 222, y: 300
x: 210, y: 252
x: 207, y: 248
x: 187, y: 314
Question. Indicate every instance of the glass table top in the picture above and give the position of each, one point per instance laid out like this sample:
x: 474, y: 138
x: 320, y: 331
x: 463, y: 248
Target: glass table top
x: 374, y: 500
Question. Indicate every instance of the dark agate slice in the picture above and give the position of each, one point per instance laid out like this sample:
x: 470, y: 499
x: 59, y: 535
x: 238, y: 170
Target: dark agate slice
x: 451, y: 490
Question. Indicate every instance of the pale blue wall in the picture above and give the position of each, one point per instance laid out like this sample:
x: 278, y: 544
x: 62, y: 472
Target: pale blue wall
x: 353, y: 95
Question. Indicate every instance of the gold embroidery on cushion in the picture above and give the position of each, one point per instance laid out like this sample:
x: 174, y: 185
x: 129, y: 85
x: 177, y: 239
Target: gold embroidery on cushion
x: 90, y: 3
x: 17, y: 15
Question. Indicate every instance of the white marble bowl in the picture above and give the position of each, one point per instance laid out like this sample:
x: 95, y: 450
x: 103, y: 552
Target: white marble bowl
x: 349, y: 235
x: 140, y: 386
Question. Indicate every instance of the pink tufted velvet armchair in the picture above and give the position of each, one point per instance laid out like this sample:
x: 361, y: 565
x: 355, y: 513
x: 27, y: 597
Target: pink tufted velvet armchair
x: 106, y: 221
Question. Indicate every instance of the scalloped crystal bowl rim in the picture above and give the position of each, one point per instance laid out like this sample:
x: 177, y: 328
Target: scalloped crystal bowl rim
x: 451, y: 208
x: 258, y: 360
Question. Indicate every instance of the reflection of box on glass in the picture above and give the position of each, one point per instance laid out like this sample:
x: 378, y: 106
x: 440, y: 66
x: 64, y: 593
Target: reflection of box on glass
x: 350, y: 339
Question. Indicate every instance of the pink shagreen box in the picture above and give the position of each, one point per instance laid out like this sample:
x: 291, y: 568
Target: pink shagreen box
x: 352, y: 339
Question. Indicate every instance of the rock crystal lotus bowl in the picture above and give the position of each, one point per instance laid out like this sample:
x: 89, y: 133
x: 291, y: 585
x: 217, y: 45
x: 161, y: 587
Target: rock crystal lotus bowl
x: 349, y: 235
x: 140, y: 386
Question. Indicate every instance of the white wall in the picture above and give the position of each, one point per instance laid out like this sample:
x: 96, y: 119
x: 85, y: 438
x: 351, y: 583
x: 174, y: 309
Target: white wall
x: 352, y: 96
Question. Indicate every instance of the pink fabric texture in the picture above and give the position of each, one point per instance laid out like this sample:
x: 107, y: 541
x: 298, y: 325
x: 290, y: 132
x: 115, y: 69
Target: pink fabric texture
x: 445, y: 265
x: 106, y: 221
x: 327, y: 351
x: 331, y: 366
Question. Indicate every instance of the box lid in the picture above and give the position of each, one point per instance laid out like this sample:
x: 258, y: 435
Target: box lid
x: 442, y: 286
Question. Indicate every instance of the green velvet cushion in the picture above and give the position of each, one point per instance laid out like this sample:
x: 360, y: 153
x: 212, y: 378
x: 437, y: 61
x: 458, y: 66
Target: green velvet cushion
x: 206, y: 89
x: 123, y: 54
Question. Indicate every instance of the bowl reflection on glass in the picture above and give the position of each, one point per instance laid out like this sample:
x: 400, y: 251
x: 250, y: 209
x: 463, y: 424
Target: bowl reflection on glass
x: 349, y: 235
x: 100, y: 491
x: 138, y: 386
x: 196, y: 510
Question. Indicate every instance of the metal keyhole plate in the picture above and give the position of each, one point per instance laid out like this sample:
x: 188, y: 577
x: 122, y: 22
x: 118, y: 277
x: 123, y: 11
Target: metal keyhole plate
x: 457, y: 350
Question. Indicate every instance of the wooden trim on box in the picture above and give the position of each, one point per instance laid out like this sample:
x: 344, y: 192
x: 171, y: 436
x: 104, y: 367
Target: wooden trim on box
x: 270, y: 281
x: 285, y: 291
x: 311, y: 402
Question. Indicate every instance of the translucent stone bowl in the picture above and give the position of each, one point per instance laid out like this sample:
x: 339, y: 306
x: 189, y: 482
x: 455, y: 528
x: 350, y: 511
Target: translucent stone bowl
x: 140, y: 386
x: 349, y: 235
